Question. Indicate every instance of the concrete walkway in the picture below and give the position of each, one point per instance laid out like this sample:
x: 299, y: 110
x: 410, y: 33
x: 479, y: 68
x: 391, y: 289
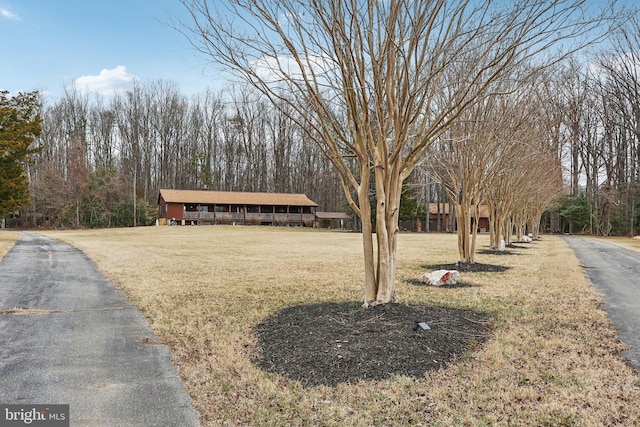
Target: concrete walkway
x: 615, y: 272
x: 67, y: 336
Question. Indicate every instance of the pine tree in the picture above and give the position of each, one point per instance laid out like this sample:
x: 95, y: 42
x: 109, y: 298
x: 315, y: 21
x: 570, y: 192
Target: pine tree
x: 20, y: 125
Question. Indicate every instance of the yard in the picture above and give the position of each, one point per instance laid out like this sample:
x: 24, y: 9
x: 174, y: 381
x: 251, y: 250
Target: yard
x: 543, y: 351
x: 7, y: 240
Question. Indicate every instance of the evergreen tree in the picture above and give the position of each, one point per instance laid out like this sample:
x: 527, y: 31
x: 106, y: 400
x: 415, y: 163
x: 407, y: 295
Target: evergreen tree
x: 20, y: 125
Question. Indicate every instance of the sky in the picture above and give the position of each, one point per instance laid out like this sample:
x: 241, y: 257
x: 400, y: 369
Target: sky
x: 99, y: 46
x: 96, y: 45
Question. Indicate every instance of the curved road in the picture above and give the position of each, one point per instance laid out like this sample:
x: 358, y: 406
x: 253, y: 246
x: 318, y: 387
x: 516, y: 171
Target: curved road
x: 615, y: 272
x: 67, y: 336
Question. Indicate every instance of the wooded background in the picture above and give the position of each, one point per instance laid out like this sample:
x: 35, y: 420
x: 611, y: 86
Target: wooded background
x: 99, y: 153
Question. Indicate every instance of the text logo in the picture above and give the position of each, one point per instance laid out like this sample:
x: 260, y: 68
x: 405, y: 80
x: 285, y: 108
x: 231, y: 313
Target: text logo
x: 34, y: 415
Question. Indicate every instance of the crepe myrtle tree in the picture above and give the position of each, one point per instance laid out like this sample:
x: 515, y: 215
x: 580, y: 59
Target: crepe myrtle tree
x: 487, y: 157
x: 369, y: 81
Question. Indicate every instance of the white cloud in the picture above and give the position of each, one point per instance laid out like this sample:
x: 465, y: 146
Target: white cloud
x: 6, y: 13
x: 107, y: 82
x: 274, y: 69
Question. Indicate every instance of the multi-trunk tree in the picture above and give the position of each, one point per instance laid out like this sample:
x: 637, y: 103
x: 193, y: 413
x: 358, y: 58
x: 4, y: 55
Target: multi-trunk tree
x: 497, y: 155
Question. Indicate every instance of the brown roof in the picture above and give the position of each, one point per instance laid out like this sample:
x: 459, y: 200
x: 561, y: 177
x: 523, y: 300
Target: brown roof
x: 234, y: 198
x: 332, y: 215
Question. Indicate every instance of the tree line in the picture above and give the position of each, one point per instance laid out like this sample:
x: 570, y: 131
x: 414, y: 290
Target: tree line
x: 599, y: 111
x: 103, y: 159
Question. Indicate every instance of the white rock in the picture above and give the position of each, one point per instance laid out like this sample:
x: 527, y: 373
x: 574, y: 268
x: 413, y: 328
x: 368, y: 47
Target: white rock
x: 440, y: 277
x: 502, y: 246
x: 526, y: 239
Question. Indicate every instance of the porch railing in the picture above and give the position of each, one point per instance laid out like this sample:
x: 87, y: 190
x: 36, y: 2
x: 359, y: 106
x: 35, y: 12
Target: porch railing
x: 278, y: 218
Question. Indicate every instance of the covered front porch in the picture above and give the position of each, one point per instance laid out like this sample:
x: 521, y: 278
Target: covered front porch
x: 249, y: 214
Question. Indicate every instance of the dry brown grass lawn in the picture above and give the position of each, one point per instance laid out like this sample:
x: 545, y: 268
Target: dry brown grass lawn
x: 553, y: 358
x: 625, y: 242
x: 7, y: 240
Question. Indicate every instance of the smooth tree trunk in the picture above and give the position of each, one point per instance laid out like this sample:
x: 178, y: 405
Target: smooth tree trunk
x: 382, y: 289
x: 464, y: 225
x: 474, y: 233
x: 465, y: 212
x: 370, y: 286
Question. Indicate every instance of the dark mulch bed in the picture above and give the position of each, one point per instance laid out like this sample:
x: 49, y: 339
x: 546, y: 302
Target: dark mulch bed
x: 495, y: 252
x: 498, y: 253
x: 417, y: 282
x: 505, y: 252
x: 475, y: 267
x: 514, y: 246
x: 332, y: 343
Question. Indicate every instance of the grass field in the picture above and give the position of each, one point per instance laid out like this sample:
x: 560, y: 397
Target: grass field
x: 625, y: 242
x: 553, y: 358
x: 7, y: 239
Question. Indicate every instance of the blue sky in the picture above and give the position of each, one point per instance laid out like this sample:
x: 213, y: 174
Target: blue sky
x: 99, y: 44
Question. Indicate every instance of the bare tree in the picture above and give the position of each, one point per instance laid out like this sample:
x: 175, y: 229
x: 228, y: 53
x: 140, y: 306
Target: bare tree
x: 373, y: 81
x: 469, y: 157
x: 101, y: 135
x: 64, y: 155
x: 285, y: 138
x: 487, y: 158
x: 459, y: 160
x: 210, y: 112
x: 593, y: 118
x: 619, y: 89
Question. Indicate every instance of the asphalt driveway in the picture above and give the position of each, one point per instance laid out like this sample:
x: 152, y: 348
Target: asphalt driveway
x: 615, y: 272
x: 67, y: 336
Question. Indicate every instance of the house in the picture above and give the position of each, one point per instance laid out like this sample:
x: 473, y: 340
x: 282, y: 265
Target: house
x: 446, y: 216
x: 336, y: 220
x: 200, y: 207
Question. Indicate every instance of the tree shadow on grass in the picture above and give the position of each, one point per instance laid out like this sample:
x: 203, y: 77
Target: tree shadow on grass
x: 514, y: 246
x: 416, y: 282
x: 506, y: 251
x: 333, y: 343
x: 495, y: 252
x: 475, y: 267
